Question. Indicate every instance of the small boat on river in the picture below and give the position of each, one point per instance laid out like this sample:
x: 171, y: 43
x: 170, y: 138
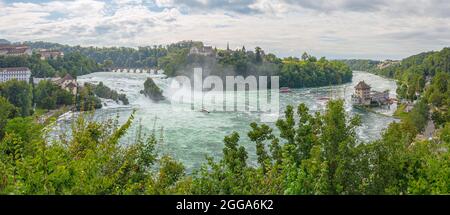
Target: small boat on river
x: 285, y: 90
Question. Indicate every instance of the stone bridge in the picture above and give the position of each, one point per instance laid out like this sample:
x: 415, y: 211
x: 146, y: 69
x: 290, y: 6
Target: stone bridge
x: 153, y: 71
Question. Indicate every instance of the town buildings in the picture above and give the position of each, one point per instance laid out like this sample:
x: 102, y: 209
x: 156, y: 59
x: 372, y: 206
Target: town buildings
x: 50, y: 54
x: 67, y: 83
x: 15, y: 50
x: 18, y: 73
x: 203, y: 51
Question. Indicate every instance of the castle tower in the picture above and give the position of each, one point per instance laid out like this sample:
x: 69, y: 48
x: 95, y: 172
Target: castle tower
x: 362, y: 90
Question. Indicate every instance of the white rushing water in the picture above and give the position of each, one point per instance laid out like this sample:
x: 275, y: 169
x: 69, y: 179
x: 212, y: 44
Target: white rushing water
x: 190, y: 136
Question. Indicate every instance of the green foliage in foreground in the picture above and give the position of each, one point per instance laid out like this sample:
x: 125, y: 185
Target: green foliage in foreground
x: 8, y: 111
x: 313, y: 154
x: 90, y: 162
x: 320, y: 155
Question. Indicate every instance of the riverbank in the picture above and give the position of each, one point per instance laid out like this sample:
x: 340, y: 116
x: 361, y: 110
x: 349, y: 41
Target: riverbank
x: 372, y: 110
x: 45, y: 117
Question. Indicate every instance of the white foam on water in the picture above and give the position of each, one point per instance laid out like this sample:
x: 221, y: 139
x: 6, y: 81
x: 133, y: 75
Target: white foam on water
x: 190, y: 135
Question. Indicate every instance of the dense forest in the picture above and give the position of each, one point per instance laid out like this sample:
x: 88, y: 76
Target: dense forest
x: 361, y: 64
x: 175, y: 59
x: 72, y: 63
x: 415, y: 72
x: 113, y: 56
x: 293, y: 72
x: 305, y: 153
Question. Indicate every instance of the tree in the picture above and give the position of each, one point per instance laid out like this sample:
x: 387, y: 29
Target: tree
x: 305, y: 56
x: 19, y: 94
x: 105, y: 92
x: 87, y: 100
x: 152, y: 90
x: 49, y: 96
x: 258, y: 55
x: 8, y: 111
x: 318, y: 156
x: 45, y: 95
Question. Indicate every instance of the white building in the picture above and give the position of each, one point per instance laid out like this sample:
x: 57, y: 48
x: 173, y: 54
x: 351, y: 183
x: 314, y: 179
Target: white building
x: 19, y: 73
x: 203, y: 51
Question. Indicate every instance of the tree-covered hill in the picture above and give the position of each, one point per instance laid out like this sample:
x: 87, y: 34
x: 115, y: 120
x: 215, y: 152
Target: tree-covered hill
x: 361, y: 64
x: 414, y: 72
x: 176, y: 59
x: 73, y: 63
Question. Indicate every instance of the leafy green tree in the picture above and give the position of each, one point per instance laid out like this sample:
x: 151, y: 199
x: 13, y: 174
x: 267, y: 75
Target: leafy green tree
x: 50, y: 96
x: 9, y: 111
x: 105, y: 92
x: 152, y: 90
x: 87, y: 100
x: 258, y: 55
x: 19, y: 94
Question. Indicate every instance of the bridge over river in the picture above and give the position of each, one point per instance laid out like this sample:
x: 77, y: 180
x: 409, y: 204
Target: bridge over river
x: 153, y: 71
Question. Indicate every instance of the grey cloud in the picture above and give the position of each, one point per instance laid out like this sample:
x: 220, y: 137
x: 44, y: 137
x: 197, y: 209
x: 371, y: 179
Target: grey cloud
x: 237, y: 6
x: 339, y: 5
x: 358, y: 5
x: 429, y: 8
x: 416, y: 35
x: 245, y: 6
x: 430, y: 35
x: 438, y: 8
x: 104, y: 29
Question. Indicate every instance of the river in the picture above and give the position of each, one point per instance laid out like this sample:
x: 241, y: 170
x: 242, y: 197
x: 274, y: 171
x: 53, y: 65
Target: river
x: 190, y: 136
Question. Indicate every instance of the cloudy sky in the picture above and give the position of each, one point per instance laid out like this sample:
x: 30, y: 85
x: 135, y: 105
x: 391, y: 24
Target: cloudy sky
x: 376, y: 29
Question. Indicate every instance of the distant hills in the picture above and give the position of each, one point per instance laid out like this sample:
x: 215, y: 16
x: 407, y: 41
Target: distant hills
x: 368, y: 65
x: 4, y: 42
x: 361, y: 64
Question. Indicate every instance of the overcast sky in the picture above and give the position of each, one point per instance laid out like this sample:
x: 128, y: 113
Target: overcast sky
x: 376, y: 29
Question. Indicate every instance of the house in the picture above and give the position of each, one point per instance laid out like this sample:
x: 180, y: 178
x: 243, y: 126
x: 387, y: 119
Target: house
x: 203, y: 51
x: 15, y: 50
x: 18, y: 73
x: 50, y: 54
x: 68, y: 83
x: 364, y: 96
x: 387, y: 63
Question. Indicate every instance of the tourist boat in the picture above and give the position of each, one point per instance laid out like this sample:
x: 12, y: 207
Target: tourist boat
x: 324, y: 99
x: 203, y: 110
x: 285, y: 90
